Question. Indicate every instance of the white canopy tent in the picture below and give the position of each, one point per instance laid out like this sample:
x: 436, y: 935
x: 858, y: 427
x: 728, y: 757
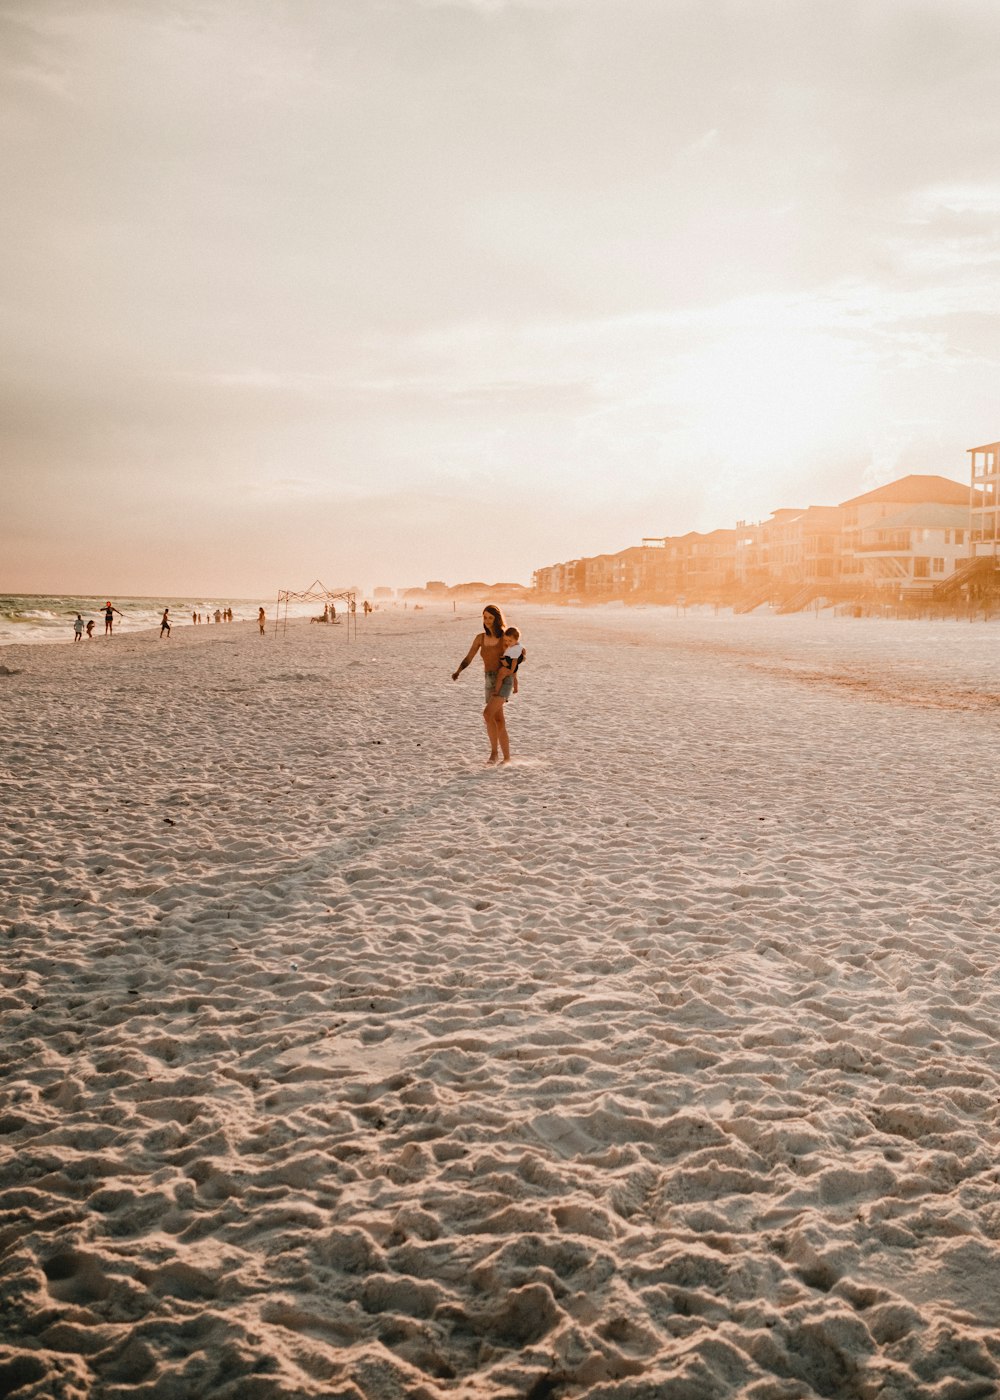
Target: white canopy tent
x: 317, y: 592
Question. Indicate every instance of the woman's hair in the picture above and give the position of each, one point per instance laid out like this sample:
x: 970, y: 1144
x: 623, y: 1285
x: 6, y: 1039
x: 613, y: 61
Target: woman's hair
x: 496, y: 628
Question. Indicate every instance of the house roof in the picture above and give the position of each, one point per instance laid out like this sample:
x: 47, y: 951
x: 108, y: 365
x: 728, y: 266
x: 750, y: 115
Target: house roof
x: 822, y: 515
x: 916, y: 490
x: 720, y: 534
x: 927, y: 515
x: 984, y: 448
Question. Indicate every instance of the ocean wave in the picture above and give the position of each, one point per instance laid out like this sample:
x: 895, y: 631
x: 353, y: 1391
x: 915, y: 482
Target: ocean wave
x: 30, y: 619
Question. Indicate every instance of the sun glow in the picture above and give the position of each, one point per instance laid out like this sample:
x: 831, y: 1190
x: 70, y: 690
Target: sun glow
x: 769, y: 396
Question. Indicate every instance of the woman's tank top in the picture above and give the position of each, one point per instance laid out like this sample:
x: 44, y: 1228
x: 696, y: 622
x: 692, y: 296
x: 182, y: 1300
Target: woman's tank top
x: 492, y: 651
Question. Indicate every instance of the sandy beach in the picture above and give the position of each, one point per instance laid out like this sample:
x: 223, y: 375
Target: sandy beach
x: 660, y: 1065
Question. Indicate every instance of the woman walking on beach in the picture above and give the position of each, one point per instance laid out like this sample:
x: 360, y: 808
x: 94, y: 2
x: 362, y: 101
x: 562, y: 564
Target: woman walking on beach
x: 490, y: 644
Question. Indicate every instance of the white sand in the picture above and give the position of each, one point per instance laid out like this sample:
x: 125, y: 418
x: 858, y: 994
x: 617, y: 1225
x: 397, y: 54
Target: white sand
x: 663, y: 1063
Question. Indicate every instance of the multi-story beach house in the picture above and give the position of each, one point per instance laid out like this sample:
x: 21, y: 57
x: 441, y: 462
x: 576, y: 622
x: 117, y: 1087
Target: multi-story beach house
x: 984, y: 492
x: 904, y: 537
x: 694, y: 566
x: 559, y: 580
x: 789, y: 560
x: 608, y: 576
x: 915, y: 548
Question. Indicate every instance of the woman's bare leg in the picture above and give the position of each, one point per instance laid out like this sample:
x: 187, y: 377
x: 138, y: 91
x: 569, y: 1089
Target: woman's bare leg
x: 502, y: 731
x: 496, y: 724
x: 491, y: 729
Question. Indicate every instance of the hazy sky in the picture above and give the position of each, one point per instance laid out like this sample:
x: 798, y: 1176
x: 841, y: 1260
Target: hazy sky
x: 388, y: 290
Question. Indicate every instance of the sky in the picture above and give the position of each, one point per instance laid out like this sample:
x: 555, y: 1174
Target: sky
x: 382, y: 291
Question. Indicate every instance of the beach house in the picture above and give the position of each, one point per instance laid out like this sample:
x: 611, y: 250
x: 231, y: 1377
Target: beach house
x: 984, y: 490
x: 904, y: 537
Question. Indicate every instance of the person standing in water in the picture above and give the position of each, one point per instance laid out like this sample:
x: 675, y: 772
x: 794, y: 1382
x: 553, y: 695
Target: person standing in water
x: 109, y: 618
x: 78, y: 629
x: 490, y: 644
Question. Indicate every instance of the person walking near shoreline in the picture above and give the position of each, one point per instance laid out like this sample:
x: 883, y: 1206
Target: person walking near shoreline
x: 165, y: 623
x: 109, y: 618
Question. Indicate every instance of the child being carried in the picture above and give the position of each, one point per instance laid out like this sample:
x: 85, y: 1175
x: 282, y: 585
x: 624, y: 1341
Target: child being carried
x: 511, y: 660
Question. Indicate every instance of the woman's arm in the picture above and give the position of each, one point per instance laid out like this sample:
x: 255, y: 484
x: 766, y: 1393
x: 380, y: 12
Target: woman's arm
x: 476, y: 646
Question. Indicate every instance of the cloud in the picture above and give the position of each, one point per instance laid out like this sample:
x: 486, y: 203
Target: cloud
x: 970, y: 198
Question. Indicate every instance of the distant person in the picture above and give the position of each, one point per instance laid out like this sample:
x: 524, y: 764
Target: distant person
x: 218, y: 615
x: 490, y: 644
x: 109, y: 618
x: 165, y: 622
x: 90, y: 630
x: 78, y: 629
x: 194, y: 619
x: 261, y: 620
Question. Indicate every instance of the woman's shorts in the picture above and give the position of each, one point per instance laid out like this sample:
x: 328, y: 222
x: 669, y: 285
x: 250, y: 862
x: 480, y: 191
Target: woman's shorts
x: 506, y: 688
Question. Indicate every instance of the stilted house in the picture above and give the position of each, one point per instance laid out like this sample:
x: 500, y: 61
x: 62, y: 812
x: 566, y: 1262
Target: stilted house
x: 984, y: 492
x: 905, y: 536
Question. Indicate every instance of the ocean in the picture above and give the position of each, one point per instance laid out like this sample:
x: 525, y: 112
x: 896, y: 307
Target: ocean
x: 26, y: 617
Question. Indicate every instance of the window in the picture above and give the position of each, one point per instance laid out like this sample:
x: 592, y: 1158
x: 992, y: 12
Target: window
x: 960, y: 537
x: 939, y: 566
x: 921, y: 568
